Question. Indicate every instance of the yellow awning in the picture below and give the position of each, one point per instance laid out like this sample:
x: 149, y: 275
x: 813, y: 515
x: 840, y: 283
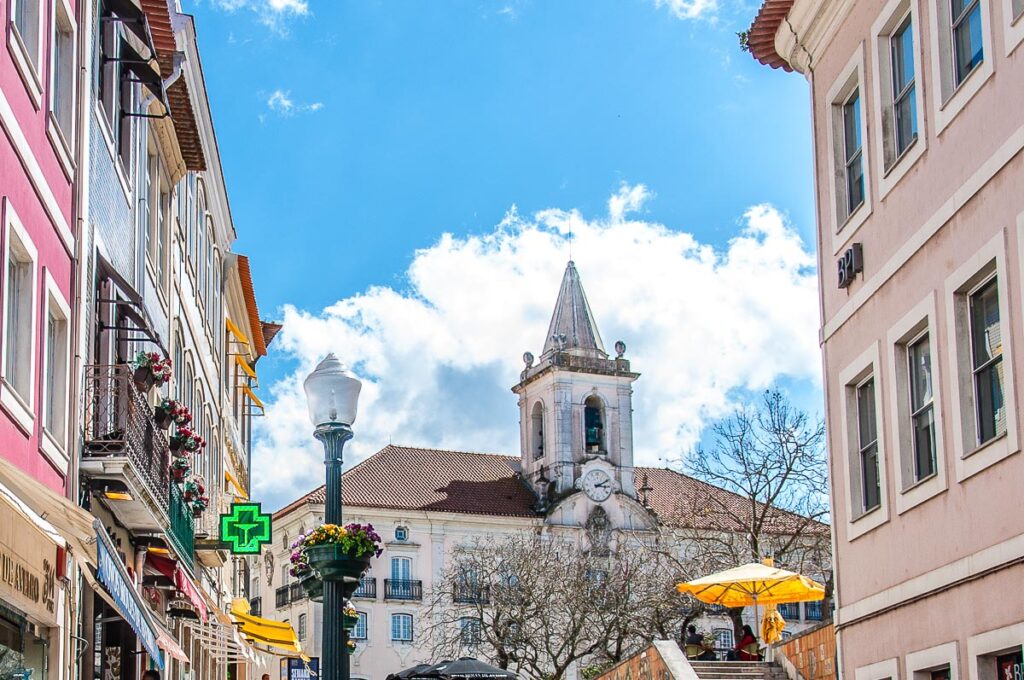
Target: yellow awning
x: 264, y: 631
x: 236, y: 331
x: 238, y: 487
x: 246, y: 368
x: 252, y: 395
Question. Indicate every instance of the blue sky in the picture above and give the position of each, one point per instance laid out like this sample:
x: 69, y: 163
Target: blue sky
x: 354, y: 135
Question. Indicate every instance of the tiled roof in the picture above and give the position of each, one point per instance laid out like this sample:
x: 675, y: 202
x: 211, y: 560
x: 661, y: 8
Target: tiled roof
x: 761, y: 36
x: 249, y: 293
x: 413, y: 478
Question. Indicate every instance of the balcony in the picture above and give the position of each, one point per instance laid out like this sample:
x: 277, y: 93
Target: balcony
x: 125, y: 456
x: 367, y: 589
x: 812, y: 611
x: 790, y: 612
x: 403, y: 590
x: 256, y: 606
x: 296, y: 592
x: 182, y: 526
x: 466, y: 593
x: 281, y: 598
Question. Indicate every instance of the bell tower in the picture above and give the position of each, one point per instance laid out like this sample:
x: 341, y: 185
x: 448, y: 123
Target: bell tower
x: 575, y: 403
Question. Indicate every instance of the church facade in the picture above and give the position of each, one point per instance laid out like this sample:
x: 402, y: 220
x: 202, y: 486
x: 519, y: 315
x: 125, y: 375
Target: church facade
x: 575, y: 464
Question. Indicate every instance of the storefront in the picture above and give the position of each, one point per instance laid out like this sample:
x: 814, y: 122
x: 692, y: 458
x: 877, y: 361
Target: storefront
x: 29, y: 615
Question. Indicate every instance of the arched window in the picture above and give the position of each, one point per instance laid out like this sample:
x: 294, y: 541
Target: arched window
x: 537, y: 430
x: 208, y: 271
x: 593, y: 425
x: 196, y: 221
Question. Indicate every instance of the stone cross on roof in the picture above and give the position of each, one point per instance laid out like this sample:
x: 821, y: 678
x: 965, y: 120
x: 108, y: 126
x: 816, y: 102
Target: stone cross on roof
x: 572, y: 326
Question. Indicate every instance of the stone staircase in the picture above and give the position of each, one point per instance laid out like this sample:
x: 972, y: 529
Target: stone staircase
x: 738, y: 670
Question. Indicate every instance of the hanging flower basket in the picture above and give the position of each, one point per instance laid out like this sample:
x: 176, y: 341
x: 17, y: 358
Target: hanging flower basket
x: 350, y: 647
x: 335, y: 564
x: 186, y: 440
x: 148, y: 369
x: 350, y: 621
x: 180, y: 468
x: 169, y: 411
x: 313, y: 587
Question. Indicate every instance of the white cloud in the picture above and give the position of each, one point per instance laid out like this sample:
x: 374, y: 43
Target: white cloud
x: 690, y: 9
x: 271, y: 13
x: 281, y: 103
x: 437, y: 357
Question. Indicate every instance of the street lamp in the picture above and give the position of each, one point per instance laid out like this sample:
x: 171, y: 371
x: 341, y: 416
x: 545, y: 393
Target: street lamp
x: 332, y: 394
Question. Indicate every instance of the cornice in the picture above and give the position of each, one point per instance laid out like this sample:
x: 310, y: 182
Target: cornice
x: 808, y: 29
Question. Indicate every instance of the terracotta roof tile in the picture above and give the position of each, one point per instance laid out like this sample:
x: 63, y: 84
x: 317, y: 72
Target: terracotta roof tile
x: 413, y: 478
x: 761, y: 36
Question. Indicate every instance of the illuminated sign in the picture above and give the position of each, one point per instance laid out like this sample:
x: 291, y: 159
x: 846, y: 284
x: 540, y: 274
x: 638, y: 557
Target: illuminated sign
x: 245, y: 529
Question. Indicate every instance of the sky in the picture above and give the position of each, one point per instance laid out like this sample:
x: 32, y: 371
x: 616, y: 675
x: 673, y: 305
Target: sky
x: 409, y: 179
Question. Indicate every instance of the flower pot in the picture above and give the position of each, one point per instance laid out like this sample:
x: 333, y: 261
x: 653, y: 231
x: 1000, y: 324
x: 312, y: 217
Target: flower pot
x: 162, y: 417
x: 179, y: 474
x: 177, y: 444
x: 197, y: 512
x: 333, y: 564
x: 313, y: 587
x: 143, y: 378
x: 350, y: 622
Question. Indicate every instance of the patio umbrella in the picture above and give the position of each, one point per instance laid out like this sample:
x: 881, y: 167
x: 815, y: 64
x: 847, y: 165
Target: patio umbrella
x: 409, y: 673
x: 468, y: 668
x: 753, y: 584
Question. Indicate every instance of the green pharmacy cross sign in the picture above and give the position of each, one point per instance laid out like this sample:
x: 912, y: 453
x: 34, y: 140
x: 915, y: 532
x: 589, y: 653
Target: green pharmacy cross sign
x: 245, y: 529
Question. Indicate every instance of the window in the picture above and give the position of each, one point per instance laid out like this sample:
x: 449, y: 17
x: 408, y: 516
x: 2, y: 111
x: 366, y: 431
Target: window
x: 922, y: 412
x: 904, y: 100
x: 812, y: 611
x: 987, y: 362
x: 1017, y: 9
x: 724, y: 638
x: 55, y: 371
x: 853, y: 172
x: 790, y: 611
x: 19, y: 316
x: 256, y: 586
x: 285, y: 576
x: 469, y: 631
x: 27, y: 16
x: 965, y: 24
x: 593, y: 425
x: 867, y: 442
x: 401, y: 533
x: 302, y: 627
x: 359, y: 632
x: 401, y: 627
x: 1010, y: 666
x: 537, y: 430
x: 62, y: 85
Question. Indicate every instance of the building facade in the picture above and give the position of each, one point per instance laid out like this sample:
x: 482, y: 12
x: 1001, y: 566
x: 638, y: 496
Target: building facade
x: 575, y: 468
x: 918, y: 144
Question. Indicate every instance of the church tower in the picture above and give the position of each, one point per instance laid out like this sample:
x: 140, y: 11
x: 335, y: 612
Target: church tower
x: 575, y: 403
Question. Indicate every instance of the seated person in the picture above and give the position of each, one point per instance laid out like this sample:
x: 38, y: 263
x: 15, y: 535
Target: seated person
x: 695, y: 639
x: 739, y: 652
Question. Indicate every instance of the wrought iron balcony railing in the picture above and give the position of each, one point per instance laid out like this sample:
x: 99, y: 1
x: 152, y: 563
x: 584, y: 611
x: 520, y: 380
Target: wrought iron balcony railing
x: 403, y: 589
x: 281, y: 597
x: 118, y: 422
x: 256, y: 606
x: 367, y: 589
x: 467, y: 593
x: 296, y: 592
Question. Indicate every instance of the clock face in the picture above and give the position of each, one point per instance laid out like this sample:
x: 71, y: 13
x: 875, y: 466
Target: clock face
x: 597, y: 485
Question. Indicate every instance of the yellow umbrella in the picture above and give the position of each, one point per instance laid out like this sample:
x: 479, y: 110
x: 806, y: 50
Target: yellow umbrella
x: 753, y: 584
x: 772, y: 624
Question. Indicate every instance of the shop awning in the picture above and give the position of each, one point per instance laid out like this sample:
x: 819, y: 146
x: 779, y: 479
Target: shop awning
x: 111, y: 573
x: 246, y: 368
x: 234, y: 483
x: 223, y: 642
x: 67, y: 524
x: 174, y: 572
x: 166, y: 642
x: 277, y: 634
x: 252, y: 396
x: 236, y: 331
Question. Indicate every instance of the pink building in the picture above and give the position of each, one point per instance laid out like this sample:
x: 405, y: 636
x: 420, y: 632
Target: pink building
x: 38, y: 111
x: 918, y: 138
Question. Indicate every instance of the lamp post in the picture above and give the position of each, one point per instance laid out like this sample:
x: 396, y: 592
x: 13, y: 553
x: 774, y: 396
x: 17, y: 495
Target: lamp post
x: 332, y: 394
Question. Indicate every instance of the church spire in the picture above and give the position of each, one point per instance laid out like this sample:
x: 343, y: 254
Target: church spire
x: 572, y: 327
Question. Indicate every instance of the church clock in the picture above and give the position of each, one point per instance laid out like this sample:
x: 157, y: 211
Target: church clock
x: 597, y: 485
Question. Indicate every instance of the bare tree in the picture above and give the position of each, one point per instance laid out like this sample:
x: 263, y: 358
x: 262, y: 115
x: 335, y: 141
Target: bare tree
x: 539, y: 604
x: 765, y: 492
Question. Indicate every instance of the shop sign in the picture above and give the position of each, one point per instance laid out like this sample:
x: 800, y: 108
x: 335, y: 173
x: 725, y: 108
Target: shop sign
x: 27, y: 571
x: 300, y: 670
x: 111, y: 573
x: 245, y: 529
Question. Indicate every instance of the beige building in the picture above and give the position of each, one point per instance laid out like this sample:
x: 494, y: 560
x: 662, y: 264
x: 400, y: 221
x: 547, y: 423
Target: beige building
x: 575, y: 467
x: 918, y: 139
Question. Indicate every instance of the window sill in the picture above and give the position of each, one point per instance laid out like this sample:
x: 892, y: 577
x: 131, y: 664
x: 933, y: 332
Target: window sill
x: 26, y: 69
x: 867, y: 521
x: 851, y: 223
x: 898, y: 169
x: 60, y: 146
x: 53, y: 450
x: 13, y: 403
x: 980, y: 448
x: 921, y: 491
x: 963, y: 93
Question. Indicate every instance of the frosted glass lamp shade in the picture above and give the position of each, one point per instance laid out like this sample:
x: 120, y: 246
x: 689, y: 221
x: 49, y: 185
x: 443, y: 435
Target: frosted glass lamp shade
x: 331, y: 393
